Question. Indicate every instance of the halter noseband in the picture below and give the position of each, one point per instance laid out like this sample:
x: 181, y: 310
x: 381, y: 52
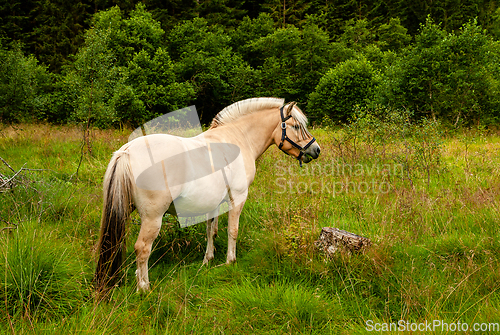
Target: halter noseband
x: 286, y: 138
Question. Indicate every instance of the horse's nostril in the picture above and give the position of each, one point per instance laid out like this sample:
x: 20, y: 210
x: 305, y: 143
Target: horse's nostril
x: 318, y: 150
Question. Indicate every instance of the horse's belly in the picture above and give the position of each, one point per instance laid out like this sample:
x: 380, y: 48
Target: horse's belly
x: 200, y: 196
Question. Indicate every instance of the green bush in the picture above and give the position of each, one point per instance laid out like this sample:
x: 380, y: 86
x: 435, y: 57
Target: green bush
x: 129, y: 70
x: 24, y: 87
x: 203, y: 56
x: 291, y: 61
x: 93, y: 79
x: 453, y: 77
x: 129, y: 35
x: 393, y: 36
x: 357, y: 34
x: 122, y: 74
x: 150, y: 89
x: 249, y: 31
x: 349, y: 84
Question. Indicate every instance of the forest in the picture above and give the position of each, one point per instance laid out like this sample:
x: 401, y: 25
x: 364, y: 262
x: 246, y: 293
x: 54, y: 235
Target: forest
x: 121, y: 63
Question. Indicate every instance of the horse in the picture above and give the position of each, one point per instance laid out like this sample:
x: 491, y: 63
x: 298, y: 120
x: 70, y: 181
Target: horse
x: 242, y: 132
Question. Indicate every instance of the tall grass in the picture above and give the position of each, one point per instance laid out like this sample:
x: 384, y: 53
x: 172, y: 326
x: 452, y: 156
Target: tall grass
x: 42, y: 276
x: 434, y: 230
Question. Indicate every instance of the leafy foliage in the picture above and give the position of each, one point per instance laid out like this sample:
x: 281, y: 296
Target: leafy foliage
x: 122, y: 74
x: 249, y: 31
x: 290, y: 61
x: 150, y: 88
x: 93, y: 80
x: 449, y: 76
x: 203, y: 56
x: 24, y: 87
x: 393, y: 36
x: 127, y: 36
x: 349, y: 84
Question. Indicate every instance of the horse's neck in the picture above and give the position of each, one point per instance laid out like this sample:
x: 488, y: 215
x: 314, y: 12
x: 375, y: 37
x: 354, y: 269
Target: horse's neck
x: 253, y: 131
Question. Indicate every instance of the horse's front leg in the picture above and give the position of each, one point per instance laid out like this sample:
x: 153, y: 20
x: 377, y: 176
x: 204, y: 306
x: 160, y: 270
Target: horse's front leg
x: 232, y: 231
x: 212, y: 227
x: 150, y: 228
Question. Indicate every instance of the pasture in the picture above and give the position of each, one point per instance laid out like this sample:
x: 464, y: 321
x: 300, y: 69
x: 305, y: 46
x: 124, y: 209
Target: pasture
x: 429, y: 201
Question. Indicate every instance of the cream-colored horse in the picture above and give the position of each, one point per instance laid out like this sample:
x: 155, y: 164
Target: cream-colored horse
x: 153, y: 172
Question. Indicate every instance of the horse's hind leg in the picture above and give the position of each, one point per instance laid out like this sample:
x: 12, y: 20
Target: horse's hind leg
x: 215, y: 226
x: 212, y: 227
x: 150, y: 228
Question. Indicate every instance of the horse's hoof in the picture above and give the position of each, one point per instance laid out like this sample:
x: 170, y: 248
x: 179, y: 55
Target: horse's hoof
x: 207, y: 259
x: 142, y: 288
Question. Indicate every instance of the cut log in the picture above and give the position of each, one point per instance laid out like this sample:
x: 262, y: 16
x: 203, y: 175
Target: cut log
x: 332, y: 240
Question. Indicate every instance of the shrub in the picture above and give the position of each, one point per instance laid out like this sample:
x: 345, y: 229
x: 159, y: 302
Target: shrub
x: 291, y: 61
x: 127, y: 36
x: 453, y: 77
x: 93, y: 79
x: 122, y: 74
x: 24, y: 87
x: 202, y: 55
x: 349, y: 84
x: 393, y: 36
x: 150, y: 89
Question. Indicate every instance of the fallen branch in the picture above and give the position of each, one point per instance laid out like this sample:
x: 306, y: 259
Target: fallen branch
x: 9, y: 181
x: 4, y: 180
x: 10, y: 167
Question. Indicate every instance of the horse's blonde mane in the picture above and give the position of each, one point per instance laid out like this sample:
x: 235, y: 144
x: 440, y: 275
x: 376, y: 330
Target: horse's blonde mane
x: 248, y: 106
x: 244, y: 107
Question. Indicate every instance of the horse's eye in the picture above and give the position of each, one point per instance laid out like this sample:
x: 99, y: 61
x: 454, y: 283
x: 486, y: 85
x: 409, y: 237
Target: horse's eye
x: 295, y: 127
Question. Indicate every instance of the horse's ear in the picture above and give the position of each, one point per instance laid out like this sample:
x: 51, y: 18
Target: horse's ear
x: 290, y: 108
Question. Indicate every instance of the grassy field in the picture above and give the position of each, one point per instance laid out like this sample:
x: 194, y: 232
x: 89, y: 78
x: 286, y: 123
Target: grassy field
x: 429, y: 202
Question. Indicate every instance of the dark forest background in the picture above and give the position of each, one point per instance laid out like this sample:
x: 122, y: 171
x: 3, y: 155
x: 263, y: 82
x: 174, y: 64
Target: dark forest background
x: 111, y: 63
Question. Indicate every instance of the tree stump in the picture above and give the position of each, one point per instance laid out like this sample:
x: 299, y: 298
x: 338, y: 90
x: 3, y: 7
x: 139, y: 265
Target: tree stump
x: 332, y: 240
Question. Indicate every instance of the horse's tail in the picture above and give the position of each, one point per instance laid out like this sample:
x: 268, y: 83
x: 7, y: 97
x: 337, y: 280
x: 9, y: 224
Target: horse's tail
x: 117, y: 207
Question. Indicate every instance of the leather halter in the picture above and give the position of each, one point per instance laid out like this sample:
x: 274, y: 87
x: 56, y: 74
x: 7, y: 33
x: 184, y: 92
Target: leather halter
x: 286, y: 138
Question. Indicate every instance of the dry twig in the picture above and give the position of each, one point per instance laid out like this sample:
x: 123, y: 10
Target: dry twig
x: 10, y: 167
x: 11, y: 179
x: 9, y: 223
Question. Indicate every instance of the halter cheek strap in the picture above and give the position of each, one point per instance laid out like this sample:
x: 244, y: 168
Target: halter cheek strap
x: 284, y: 138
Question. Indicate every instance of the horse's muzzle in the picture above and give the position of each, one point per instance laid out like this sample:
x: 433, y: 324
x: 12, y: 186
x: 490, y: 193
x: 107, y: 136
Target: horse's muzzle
x: 311, y: 153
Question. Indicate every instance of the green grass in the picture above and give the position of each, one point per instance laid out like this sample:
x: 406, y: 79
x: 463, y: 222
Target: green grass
x: 42, y: 277
x: 434, y: 254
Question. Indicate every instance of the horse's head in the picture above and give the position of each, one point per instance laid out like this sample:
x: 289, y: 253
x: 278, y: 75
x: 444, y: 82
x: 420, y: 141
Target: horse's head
x: 292, y: 137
